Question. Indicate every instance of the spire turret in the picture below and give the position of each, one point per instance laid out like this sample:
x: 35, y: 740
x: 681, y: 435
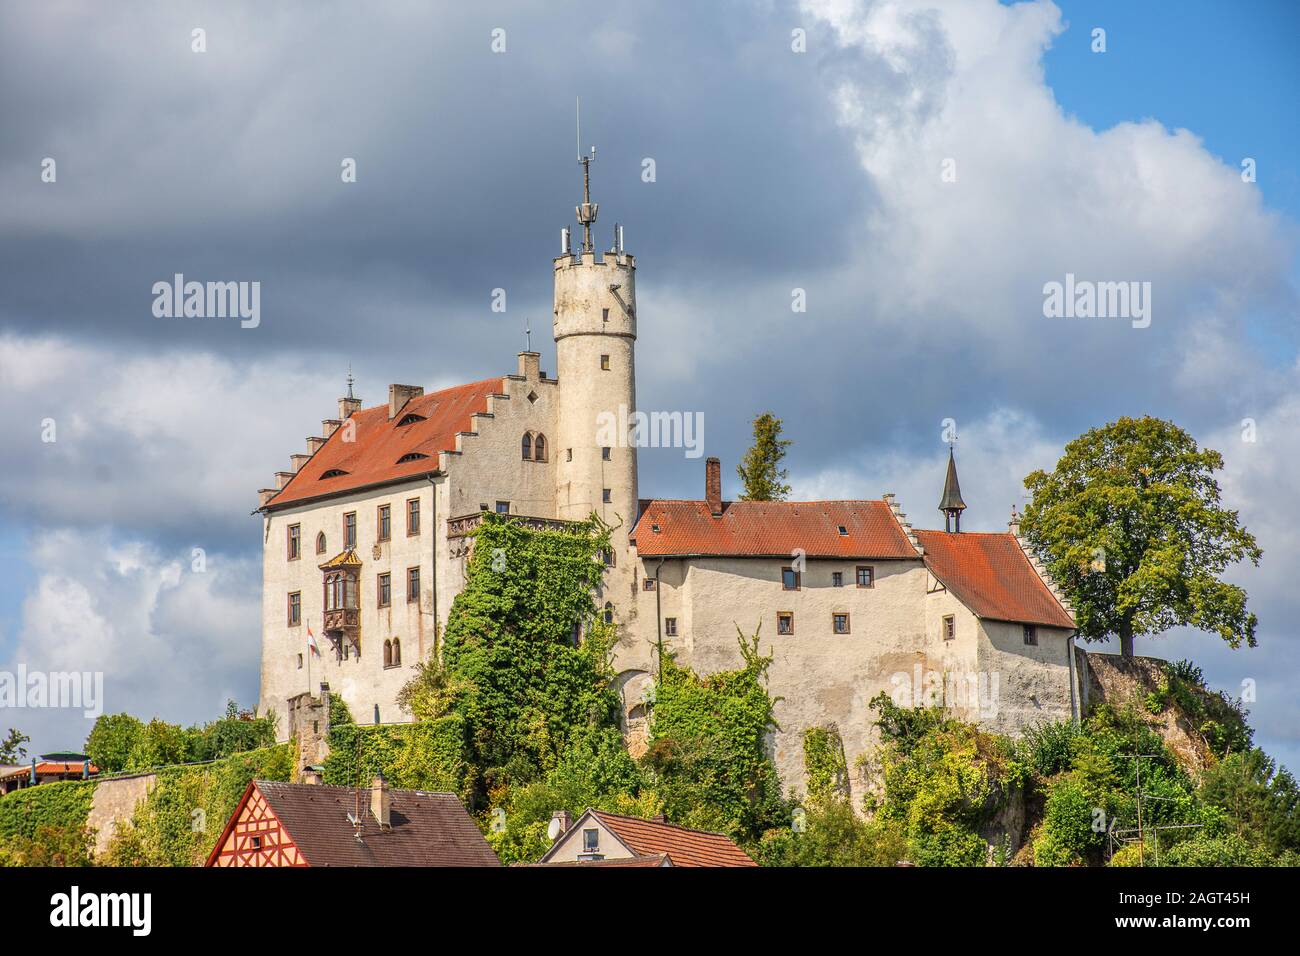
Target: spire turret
x: 951, y: 504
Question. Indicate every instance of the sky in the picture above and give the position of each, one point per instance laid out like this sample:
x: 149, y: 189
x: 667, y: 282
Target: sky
x: 920, y: 171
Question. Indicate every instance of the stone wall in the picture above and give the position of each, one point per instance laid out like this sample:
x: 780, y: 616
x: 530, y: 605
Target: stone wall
x: 115, y: 800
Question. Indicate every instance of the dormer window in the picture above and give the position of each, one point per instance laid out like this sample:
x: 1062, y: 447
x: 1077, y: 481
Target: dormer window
x: 844, y: 532
x: 410, y: 419
x: 333, y: 473
x: 411, y: 456
x: 654, y: 528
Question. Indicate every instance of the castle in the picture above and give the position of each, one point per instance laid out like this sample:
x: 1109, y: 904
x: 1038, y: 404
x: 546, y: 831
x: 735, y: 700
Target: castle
x: 366, y: 539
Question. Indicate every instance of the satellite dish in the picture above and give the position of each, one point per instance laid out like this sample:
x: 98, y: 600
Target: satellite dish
x: 553, y: 829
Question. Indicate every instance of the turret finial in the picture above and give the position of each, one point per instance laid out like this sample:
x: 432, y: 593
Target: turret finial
x: 951, y: 504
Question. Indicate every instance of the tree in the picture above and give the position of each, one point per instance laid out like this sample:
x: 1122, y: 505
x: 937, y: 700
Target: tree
x: 12, y: 750
x: 1130, y: 524
x: 1261, y: 801
x: 111, y: 741
x: 760, y: 470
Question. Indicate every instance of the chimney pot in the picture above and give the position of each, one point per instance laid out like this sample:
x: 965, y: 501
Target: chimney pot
x: 713, y: 485
x: 399, y: 395
x: 564, y: 821
x: 381, y: 802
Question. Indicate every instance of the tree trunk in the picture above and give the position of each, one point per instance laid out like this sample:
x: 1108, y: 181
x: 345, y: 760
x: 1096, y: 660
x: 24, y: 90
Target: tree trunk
x: 1126, y: 641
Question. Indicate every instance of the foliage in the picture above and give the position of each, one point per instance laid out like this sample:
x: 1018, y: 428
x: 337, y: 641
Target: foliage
x: 427, y: 755
x: 64, y: 804
x: 825, y: 764
x: 12, y: 750
x: 834, y: 835
x: 511, y: 673
x: 178, y: 823
x: 121, y: 742
x: 760, y: 470
x: 1260, y: 802
x: 708, y: 757
x: 50, y: 846
x: 1130, y: 524
x: 941, y: 781
x: 1219, y: 719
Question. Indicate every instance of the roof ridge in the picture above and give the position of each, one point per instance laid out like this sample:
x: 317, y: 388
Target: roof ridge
x: 661, y: 823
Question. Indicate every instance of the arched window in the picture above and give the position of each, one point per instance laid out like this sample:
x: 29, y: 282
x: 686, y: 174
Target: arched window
x: 397, y: 652
x: 320, y: 543
x: 527, y: 446
x: 609, y: 613
x: 388, y: 653
x: 539, y: 448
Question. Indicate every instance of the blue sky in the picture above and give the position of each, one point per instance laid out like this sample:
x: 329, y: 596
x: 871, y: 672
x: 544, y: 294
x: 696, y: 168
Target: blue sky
x: 776, y: 171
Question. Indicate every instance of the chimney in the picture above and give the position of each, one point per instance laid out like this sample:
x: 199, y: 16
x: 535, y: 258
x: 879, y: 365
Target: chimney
x: 399, y: 395
x: 381, y: 802
x: 311, y: 776
x: 561, y: 821
x: 713, y: 485
x: 529, y: 365
x: 347, y: 406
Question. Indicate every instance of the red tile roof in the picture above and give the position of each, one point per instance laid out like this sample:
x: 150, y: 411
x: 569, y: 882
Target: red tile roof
x: 372, y: 458
x: 991, y: 575
x: 684, y: 847
x: 45, y: 767
x: 771, y: 529
x: 428, y: 829
x: 654, y: 860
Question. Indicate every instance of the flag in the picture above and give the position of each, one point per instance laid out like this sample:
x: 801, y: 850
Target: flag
x: 311, y: 642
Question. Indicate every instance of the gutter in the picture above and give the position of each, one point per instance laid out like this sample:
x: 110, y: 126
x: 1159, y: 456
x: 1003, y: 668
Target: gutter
x: 659, y: 624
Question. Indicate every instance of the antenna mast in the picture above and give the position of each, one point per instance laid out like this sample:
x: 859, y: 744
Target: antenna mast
x: 587, y: 211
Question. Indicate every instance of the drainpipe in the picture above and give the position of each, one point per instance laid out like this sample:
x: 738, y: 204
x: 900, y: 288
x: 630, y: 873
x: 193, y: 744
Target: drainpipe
x: 433, y: 557
x: 659, y: 625
x: 1069, y: 651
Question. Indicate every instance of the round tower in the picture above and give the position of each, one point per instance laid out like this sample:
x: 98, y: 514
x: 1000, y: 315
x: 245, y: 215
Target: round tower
x: 595, y: 339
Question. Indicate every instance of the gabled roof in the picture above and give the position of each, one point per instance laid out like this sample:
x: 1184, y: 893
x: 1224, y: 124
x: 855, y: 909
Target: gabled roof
x: 990, y: 574
x: 428, y: 829
x: 373, y: 457
x: 650, y: 862
x: 771, y: 529
x: 684, y: 847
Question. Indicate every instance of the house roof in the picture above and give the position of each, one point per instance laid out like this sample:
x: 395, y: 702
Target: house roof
x: 45, y: 767
x: 428, y: 829
x: 685, y: 847
x: 650, y: 861
x: 771, y: 529
x: 373, y: 456
x: 990, y: 574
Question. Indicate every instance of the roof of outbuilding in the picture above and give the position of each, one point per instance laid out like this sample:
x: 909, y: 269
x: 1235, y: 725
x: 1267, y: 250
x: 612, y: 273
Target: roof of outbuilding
x: 379, y: 443
x: 684, y: 847
x: 990, y: 574
x: 771, y: 529
x: 428, y: 829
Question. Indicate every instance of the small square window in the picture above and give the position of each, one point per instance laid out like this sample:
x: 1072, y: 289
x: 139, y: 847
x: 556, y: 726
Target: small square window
x: 503, y: 507
x: 568, y: 454
x: 590, y: 841
x: 604, y: 454
x: 604, y: 363
x: 837, y: 579
x: 604, y: 315
x: 844, y: 532
x: 784, y: 622
x: 648, y: 584
x: 670, y: 627
x: 789, y: 579
x: 949, y: 627
x: 654, y: 528
x: 604, y: 495
x: 256, y: 842
x: 866, y: 577
x: 299, y: 662
x: 1031, y: 635
x: 840, y: 623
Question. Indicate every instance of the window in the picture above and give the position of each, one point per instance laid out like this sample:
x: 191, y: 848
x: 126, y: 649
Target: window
x: 320, y: 543
x: 385, y: 522
x: 256, y: 842
x: 604, y: 495
x: 413, y: 516
x: 789, y: 579
x: 590, y: 841
x: 412, y: 585
x: 397, y: 652
x: 333, y: 473
x: 949, y: 627
x: 609, y: 613
x: 503, y: 507
x: 294, y: 542
x: 385, y: 590
x: 568, y: 454
x: 784, y: 622
x: 350, y: 530
x: 670, y: 627
x: 604, y: 454
x: 837, y: 579
x: 539, y: 448
x: 299, y: 662
x: 648, y: 584
x: 411, y: 456
x: 526, y: 447
x: 604, y: 315
x: 866, y: 577
x: 607, y: 557
x: 840, y: 623
x: 1031, y: 635
x: 604, y: 363
x: 844, y: 532
x: 388, y: 653
x: 410, y: 419
x: 654, y: 528
x: 295, y: 608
